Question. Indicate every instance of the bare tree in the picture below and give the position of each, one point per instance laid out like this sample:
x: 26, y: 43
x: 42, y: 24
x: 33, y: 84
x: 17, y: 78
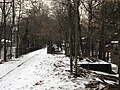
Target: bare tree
x: 76, y: 5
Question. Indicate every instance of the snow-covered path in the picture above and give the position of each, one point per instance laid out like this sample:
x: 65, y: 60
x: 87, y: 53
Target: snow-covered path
x: 39, y: 71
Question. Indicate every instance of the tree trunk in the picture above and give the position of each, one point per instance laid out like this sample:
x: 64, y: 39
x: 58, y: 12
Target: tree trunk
x: 70, y: 35
x: 76, y: 34
x: 4, y: 29
x: 90, y: 40
x: 119, y: 51
x: 66, y: 43
x: 13, y: 22
x: 17, y: 38
x: 102, y: 36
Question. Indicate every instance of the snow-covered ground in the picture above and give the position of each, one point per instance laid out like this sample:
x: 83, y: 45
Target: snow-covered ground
x: 41, y: 71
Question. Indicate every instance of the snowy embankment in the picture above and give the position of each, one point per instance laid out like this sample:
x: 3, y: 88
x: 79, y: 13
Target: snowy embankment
x: 41, y: 71
x: 8, y: 67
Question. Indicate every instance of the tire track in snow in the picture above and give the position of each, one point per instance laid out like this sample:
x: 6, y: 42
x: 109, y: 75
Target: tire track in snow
x: 20, y: 64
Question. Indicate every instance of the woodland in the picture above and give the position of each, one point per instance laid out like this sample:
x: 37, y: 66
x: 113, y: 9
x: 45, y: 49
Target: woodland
x: 85, y: 28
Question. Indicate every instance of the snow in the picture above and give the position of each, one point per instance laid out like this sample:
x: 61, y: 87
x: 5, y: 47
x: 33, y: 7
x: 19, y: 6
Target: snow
x: 2, y: 40
x: 41, y: 71
x: 107, y: 74
x: 9, y: 66
x: 48, y: 71
x: 114, y: 68
x: 88, y: 61
x: 114, y: 41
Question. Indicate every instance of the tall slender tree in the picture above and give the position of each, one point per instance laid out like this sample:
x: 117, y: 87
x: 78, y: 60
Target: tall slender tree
x: 76, y: 5
x: 4, y: 29
x: 70, y: 34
